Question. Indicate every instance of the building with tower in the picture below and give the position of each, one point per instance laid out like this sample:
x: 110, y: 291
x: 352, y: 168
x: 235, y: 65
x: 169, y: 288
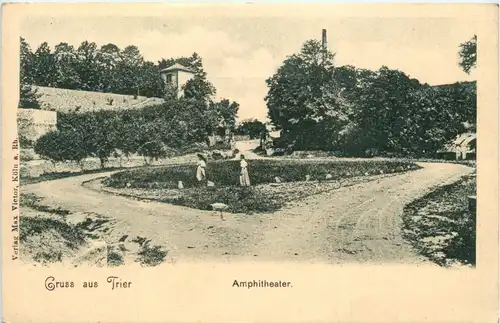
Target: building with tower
x: 176, y: 77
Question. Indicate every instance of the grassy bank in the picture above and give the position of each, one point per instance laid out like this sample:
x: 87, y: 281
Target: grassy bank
x: 51, y: 235
x: 441, y: 226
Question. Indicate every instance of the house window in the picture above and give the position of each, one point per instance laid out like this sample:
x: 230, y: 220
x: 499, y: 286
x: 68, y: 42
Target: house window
x: 169, y: 78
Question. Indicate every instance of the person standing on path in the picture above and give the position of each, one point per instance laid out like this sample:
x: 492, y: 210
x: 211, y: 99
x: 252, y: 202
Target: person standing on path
x: 200, y: 170
x: 244, y: 178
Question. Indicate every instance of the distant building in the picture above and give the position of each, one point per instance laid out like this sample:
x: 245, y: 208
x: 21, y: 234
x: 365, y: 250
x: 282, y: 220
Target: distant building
x: 272, y: 133
x: 463, y: 147
x: 275, y: 134
x: 176, y: 76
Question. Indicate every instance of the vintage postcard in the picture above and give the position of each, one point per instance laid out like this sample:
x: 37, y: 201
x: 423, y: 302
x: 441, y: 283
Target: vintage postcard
x: 250, y: 162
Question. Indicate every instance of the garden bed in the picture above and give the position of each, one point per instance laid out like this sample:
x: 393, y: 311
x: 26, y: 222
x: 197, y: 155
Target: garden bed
x: 265, y: 194
x: 441, y: 226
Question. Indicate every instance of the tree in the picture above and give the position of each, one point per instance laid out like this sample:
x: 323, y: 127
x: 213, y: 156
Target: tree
x: 99, y: 140
x: 28, y: 97
x: 251, y: 127
x: 98, y: 132
x: 66, y: 63
x: 302, y: 97
x: 468, y: 54
x: 378, y: 107
x: 199, y: 89
x: 44, y: 67
x: 86, y: 67
x: 393, y: 113
x: 60, y: 146
x: 153, y: 150
x: 107, y: 63
x: 221, y: 116
x: 26, y: 62
x: 129, y: 68
x: 107, y: 69
x: 150, y: 82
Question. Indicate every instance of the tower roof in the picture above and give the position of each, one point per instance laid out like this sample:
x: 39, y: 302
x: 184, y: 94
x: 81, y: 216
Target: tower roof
x: 177, y: 67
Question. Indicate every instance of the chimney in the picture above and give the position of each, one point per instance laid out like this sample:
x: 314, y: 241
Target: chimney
x: 323, y: 40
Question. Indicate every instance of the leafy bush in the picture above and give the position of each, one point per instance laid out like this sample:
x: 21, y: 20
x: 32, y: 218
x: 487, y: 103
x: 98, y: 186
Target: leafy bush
x: 61, y: 146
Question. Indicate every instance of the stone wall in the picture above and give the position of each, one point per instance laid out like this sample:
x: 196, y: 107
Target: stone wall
x: 33, y: 123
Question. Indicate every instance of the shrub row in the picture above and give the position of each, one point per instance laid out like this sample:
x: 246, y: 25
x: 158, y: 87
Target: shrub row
x: 154, y: 132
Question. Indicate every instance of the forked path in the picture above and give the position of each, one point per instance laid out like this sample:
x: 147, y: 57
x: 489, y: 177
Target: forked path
x: 360, y: 223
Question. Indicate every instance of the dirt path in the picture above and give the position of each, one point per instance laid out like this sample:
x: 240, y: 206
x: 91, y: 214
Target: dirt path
x: 360, y: 223
x: 246, y: 147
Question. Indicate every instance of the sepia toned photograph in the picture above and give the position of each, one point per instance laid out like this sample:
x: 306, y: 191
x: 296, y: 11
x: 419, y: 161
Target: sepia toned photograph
x: 151, y: 140
x: 148, y: 146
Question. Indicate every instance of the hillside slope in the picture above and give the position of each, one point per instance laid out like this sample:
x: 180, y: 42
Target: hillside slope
x: 63, y: 100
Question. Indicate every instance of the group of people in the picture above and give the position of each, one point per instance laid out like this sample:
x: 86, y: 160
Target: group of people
x: 244, y: 178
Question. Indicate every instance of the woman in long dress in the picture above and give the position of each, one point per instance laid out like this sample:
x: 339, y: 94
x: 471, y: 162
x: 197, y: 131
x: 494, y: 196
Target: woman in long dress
x: 244, y: 178
x: 200, y: 170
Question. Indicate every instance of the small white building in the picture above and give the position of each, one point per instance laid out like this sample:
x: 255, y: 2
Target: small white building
x: 463, y: 147
x: 176, y: 76
x: 272, y: 133
x: 275, y: 134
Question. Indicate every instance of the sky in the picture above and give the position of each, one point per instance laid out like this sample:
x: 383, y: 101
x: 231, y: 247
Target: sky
x: 239, y: 53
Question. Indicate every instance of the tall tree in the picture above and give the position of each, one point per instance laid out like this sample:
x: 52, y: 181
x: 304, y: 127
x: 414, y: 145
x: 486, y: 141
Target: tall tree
x: 44, y: 67
x: 302, y: 97
x: 107, y: 61
x: 468, y: 54
x: 150, y: 82
x: 129, y: 68
x: 87, y: 67
x: 66, y: 64
x: 26, y: 63
x: 221, y: 115
x: 381, y: 107
x: 28, y: 96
